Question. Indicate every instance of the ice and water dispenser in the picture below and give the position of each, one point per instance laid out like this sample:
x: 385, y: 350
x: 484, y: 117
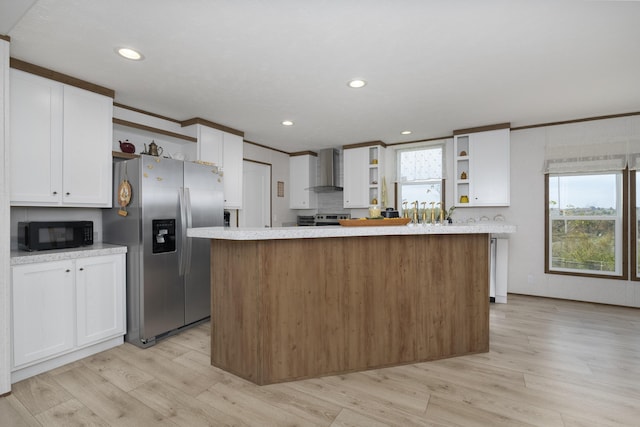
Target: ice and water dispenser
x: 164, y: 235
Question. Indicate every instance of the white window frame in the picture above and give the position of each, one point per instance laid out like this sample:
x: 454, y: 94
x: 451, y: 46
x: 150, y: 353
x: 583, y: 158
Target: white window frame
x: 436, y: 181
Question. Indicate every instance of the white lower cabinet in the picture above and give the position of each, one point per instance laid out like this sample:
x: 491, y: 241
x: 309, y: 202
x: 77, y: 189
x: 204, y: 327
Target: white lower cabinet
x: 43, y: 310
x: 99, y: 298
x: 61, y: 308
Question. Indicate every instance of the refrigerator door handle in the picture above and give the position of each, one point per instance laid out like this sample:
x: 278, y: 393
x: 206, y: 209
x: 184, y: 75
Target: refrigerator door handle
x: 183, y: 231
x: 188, y: 240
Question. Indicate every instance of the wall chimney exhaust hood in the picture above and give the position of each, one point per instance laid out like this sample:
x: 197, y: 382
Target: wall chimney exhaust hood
x: 329, y: 173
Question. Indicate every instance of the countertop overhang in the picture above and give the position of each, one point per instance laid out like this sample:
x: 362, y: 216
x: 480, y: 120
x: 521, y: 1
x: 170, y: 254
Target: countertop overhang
x: 279, y: 233
x: 97, y: 249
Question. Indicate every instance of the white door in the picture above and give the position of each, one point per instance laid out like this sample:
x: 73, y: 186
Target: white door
x: 256, y: 195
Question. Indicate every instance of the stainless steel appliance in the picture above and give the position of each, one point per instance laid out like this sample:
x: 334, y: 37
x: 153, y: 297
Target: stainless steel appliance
x: 330, y: 219
x: 43, y: 235
x: 305, y: 220
x: 329, y: 171
x: 168, y: 273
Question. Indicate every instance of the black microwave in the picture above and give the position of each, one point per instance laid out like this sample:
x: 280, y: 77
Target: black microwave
x: 42, y: 235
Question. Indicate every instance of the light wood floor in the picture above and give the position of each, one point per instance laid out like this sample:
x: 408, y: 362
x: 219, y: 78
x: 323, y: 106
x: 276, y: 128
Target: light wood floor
x: 552, y: 363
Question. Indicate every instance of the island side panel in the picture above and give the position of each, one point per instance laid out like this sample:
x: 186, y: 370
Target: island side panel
x: 234, y: 307
x: 379, y: 278
x: 303, y: 317
x: 453, y: 313
x: 300, y: 308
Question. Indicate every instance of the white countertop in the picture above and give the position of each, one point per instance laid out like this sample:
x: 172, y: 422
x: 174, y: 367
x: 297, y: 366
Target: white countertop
x: 97, y: 249
x: 232, y: 233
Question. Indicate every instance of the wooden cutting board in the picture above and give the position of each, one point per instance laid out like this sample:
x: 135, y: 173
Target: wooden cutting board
x: 373, y: 222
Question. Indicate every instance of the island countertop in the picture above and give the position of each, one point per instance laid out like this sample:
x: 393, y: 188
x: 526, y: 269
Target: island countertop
x: 278, y: 233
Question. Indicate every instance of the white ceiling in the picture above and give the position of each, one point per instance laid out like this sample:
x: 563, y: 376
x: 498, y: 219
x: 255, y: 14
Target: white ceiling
x: 431, y: 66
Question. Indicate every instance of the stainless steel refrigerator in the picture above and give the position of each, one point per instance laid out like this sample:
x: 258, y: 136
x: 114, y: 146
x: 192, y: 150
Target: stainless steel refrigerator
x: 168, y: 273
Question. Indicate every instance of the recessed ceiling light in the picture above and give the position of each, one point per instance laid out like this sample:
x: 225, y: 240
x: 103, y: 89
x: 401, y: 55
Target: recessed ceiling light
x: 406, y: 132
x: 357, y: 83
x: 287, y: 123
x: 129, y: 53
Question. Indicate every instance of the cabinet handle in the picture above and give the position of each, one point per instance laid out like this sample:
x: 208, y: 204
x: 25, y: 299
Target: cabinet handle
x: 81, y: 269
x: 67, y: 270
x: 55, y: 192
x: 67, y: 193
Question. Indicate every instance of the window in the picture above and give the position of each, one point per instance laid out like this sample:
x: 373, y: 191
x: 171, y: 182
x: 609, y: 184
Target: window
x: 635, y: 225
x: 420, y: 173
x: 585, y: 224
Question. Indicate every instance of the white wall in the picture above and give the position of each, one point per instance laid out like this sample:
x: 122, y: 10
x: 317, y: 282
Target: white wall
x: 280, y: 212
x: 526, y: 246
x: 5, y: 287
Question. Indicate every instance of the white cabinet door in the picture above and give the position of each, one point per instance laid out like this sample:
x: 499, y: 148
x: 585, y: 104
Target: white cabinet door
x: 302, y: 176
x: 232, y: 168
x: 43, y: 310
x: 36, y: 140
x: 489, y: 168
x: 100, y: 288
x: 356, y: 177
x: 86, y: 164
x: 60, y: 144
x: 482, y: 168
x: 210, y: 144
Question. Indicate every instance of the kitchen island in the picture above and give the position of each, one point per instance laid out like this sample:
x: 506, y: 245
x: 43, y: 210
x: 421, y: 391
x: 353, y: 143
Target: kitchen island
x: 300, y: 302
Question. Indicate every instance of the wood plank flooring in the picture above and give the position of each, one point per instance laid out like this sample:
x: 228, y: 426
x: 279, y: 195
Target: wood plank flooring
x: 551, y: 363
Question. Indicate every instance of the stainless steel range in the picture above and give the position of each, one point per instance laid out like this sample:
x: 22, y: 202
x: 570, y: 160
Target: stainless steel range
x: 330, y: 219
x: 321, y: 219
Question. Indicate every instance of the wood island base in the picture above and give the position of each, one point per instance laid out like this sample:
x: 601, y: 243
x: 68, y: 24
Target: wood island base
x: 291, y: 309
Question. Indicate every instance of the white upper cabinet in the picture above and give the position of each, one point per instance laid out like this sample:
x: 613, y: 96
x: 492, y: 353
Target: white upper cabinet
x: 60, y: 144
x: 225, y: 150
x: 482, y: 168
x: 86, y: 151
x: 363, y: 175
x: 210, y: 144
x: 302, y: 176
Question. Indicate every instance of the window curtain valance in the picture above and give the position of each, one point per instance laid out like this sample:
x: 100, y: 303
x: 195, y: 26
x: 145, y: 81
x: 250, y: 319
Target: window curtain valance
x: 421, y: 163
x: 598, y: 146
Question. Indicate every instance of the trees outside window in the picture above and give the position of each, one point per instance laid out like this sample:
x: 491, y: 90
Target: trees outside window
x: 585, y: 224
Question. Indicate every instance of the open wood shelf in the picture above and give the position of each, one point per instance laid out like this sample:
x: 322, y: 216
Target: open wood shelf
x: 121, y: 155
x: 152, y: 130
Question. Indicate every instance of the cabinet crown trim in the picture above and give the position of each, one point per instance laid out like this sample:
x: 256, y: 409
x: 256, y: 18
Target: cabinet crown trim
x: 365, y: 144
x: 482, y: 128
x: 59, y: 77
x: 303, y: 153
x: 204, y: 122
